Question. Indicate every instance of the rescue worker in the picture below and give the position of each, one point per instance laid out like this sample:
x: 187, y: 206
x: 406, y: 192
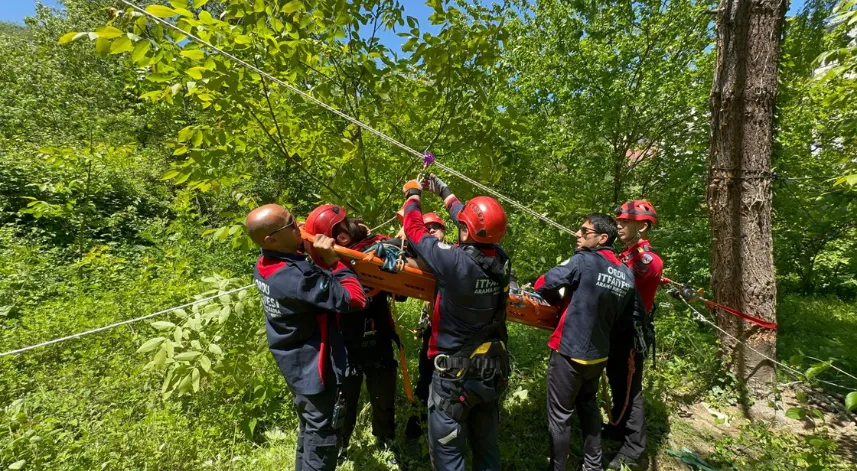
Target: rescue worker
x: 636, y: 218
x: 436, y: 228
x: 598, y: 291
x: 301, y: 301
x: 468, y: 326
x: 369, y: 336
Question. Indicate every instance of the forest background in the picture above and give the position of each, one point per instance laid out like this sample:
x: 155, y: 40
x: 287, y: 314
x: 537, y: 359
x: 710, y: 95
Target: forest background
x: 129, y: 157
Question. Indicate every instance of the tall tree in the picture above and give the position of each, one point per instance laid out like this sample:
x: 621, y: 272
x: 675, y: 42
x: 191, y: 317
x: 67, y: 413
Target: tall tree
x: 739, y: 178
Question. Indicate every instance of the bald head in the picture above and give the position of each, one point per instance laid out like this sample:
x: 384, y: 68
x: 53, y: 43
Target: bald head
x: 264, y: 226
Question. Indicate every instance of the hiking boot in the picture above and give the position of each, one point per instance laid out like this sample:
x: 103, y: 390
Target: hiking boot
x: 622, y: 460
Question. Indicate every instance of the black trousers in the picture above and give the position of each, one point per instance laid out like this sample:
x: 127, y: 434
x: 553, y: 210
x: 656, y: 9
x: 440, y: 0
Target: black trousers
x: 573, y: 386
x: 316, y: 449
x: 632, y: 425
x: 381, y: 385
x: 426, y: 370
x: 448, y: 437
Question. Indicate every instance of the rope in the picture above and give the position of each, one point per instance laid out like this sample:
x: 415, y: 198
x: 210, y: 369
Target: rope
x: 632, y: 368
x: 354, y: 121
x: 388, y: 221
x: 130, y: 321
x: 796, y: 373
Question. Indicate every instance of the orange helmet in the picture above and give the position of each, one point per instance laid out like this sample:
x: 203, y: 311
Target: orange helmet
x: 324, y: 218
x: 637, y: 210
x: 485, y: 219
x: 433, y: 218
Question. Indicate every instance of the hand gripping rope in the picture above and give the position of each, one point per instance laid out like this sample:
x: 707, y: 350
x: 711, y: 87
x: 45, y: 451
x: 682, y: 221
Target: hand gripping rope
x: 427, y: 157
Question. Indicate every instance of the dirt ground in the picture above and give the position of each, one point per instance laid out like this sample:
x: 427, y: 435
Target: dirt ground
x: 699, y: 426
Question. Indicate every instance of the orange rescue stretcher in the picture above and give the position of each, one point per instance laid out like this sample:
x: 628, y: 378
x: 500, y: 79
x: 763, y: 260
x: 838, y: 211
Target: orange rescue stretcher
x: 522, y: 307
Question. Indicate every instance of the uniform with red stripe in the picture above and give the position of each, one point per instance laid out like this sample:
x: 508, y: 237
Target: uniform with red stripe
x: 301, y: 302
x: 635, y: 220
x: 595, y: 291
x: 465, y: 301
x: 590, y: 305
x: 469, y: 311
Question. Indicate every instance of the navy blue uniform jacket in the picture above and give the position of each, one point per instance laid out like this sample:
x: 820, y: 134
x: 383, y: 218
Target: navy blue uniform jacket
x: 370, y: 333
x: 302, y: 303
x: 599, y: 291
x: 467, y: 298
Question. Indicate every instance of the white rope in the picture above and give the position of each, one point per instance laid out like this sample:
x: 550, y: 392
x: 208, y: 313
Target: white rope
x: 129, y: 321
x: 388, y: 221
x: 796, y: 373
x: 354, y: 121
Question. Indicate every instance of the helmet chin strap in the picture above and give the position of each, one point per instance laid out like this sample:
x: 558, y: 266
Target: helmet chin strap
x: 637, y: 236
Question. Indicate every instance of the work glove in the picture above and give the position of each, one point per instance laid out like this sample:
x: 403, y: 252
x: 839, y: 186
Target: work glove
x: 436, y: 186
x: 411, y: 188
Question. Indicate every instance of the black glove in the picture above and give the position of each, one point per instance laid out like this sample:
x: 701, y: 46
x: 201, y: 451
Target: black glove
x: 436, y: 186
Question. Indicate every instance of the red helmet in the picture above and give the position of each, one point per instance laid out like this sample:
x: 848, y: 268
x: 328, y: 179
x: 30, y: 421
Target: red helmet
x: 485, y: 219
x: 324, y: 218
x: 637, y: 210
x: 433, y: 218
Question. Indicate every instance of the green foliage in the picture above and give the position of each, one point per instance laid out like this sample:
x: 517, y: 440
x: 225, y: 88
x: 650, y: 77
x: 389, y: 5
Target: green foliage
x: 128, y: 152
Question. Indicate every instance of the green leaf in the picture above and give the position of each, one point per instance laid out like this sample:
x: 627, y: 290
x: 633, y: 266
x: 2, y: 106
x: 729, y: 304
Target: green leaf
x: 108, y: 32
x: 178, y: 3
x: 181, y: 150
x: 121, y: 45
x: 199, y: 3
x: 102, y: 46
x: 194, y: 374
x: 187, y: 356
x: 69, y: 37
x: 195, y: 72
x: 159, y: 77
x: 170, y: 175
x: 851, y: 401
x: 151, y: 344
x: 243, y: 39
x: 160, y: 11
x: 194, y: 54
x: 816, y: 370
x: 18, y: 464
x: 292, y: 7
x: 797, y: 413
x: 197, y: 138
x: 205, y: 363
x: 163, y: 325
x: 215, y: 349
x: 140, y: 51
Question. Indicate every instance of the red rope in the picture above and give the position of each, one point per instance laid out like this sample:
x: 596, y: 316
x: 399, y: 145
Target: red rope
x: 755, y: 320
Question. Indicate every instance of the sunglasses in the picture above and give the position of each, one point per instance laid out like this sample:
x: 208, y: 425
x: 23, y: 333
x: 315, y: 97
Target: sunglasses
x: 290, y: 224
x: 434, y: 227
x: 588, y: 230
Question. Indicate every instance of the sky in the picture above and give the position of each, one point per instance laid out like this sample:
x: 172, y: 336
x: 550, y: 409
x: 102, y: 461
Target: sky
x: 16, y: 10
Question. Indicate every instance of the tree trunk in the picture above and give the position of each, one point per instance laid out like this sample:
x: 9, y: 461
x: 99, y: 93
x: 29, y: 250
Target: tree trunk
x: 739, y: 180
